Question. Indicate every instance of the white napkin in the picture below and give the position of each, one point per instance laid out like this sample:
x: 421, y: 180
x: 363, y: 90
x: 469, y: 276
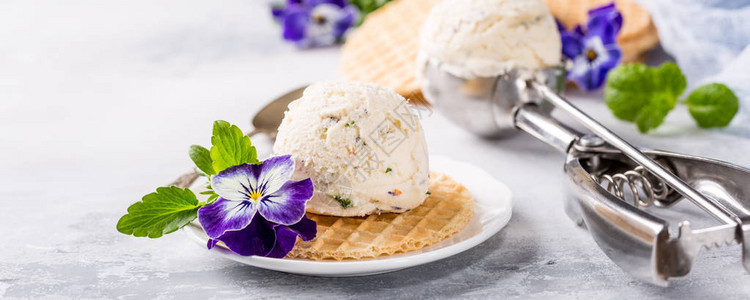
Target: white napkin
x: 710, y: 40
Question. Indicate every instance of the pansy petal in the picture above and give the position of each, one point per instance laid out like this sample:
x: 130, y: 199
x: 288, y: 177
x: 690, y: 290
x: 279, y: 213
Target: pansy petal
x: 560, y: 26
x: 339, y: 3
x: 274, y: 172
x: 211, y: 243
x: 592, y: 79
x: 350, y: 15
x: 606, y: 32
x: 286, y: 236
x: 295, y: 23
x: 320, y: 31
x: 580, y: 73
x: 571, y: 41
x: 604, y: 23
x: 617, y: 21
x: 306, y: 228
x: 278, y: 8
x: 571, y: 46
x: 287, y: 205
x: 613, y: 58
x: 595, y: 78
x: 602, y: 10
x: 578, y: 31
x: 224, y: 215
x: 236, y: 183
x: 588, y: 82
x: 609, y: 13
x: 285, y: 240
x: 579, y: 67
x: 277, y: 12
x: 258, y: 238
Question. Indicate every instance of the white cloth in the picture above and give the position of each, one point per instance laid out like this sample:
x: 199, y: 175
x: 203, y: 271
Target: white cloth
x: 710, y: 40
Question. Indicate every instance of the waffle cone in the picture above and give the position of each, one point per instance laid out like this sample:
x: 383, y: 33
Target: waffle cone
x: 384, y: 49
x: 445, y: 212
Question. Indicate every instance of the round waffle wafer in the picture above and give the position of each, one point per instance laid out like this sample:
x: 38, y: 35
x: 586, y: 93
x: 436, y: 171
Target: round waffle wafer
x: 445, y: 212
x: 384, y: 49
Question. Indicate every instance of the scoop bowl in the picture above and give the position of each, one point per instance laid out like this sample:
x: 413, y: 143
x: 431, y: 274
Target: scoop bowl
x: 485, y: 105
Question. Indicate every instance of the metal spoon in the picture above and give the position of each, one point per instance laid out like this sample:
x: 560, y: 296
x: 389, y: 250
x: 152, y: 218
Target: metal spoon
x: 266, y: 120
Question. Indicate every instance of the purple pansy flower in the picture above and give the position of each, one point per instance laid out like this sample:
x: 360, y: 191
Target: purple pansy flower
x: 310, y: 23
x: 593, y: 51
x: 259, y: 210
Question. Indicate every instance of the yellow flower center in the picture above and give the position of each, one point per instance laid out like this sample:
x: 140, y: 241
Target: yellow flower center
x: 255, y: 195
x: 318, y: 19
x: 591, y: 55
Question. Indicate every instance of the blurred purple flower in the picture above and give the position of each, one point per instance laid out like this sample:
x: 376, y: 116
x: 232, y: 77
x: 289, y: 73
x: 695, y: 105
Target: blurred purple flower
x: 593, y: 51
x: 311, y: 23
x: 260, y: 211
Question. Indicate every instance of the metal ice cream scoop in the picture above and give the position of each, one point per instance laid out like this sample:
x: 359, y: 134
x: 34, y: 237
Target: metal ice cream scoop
x: 612, y: 180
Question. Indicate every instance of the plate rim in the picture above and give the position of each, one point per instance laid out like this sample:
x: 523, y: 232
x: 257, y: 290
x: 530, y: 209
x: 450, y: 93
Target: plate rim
x: 386, y: 264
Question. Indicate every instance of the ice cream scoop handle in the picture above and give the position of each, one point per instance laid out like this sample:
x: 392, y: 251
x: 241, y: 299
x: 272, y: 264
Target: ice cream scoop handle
x: 531, y: 119
x: 715, y: 209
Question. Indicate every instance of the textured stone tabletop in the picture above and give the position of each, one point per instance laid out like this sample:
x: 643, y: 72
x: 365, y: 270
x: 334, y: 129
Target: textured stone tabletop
x: 99, y: 101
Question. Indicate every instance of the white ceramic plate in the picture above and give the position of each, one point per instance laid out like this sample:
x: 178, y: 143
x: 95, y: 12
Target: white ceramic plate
x: 492, y: 210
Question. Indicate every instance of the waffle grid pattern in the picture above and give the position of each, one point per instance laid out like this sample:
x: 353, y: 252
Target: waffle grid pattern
x: 384, y: 49
x: 445, y: 212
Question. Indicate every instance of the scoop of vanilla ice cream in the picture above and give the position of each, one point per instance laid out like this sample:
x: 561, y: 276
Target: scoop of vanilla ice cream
x: 486, y: 38
x: 360, y: 144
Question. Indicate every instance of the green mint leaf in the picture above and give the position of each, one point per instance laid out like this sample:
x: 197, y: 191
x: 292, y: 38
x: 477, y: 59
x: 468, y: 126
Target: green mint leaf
x: 653, y: 114
x: 160, y: 213
x: 670, y: 77
x: 211, y: 199
x: 712, y: 105
x: 622, y: 92
x: 230, y: 147
x: 202, y: 159
x: 644, y: 95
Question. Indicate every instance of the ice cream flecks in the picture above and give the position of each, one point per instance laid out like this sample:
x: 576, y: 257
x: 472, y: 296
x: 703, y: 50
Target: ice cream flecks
x: 360, y: 144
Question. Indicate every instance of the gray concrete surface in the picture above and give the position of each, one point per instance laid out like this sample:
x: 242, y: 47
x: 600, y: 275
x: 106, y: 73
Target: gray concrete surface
x: 100, y: 100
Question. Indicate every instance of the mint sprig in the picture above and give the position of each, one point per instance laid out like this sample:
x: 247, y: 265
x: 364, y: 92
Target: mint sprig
x: 160, y: 213
x: 171, y: 208
x: 230, y: 147
x: 645, y: 95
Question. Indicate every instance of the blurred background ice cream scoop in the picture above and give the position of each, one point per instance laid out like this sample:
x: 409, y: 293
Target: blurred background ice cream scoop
x: 485, y: 38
